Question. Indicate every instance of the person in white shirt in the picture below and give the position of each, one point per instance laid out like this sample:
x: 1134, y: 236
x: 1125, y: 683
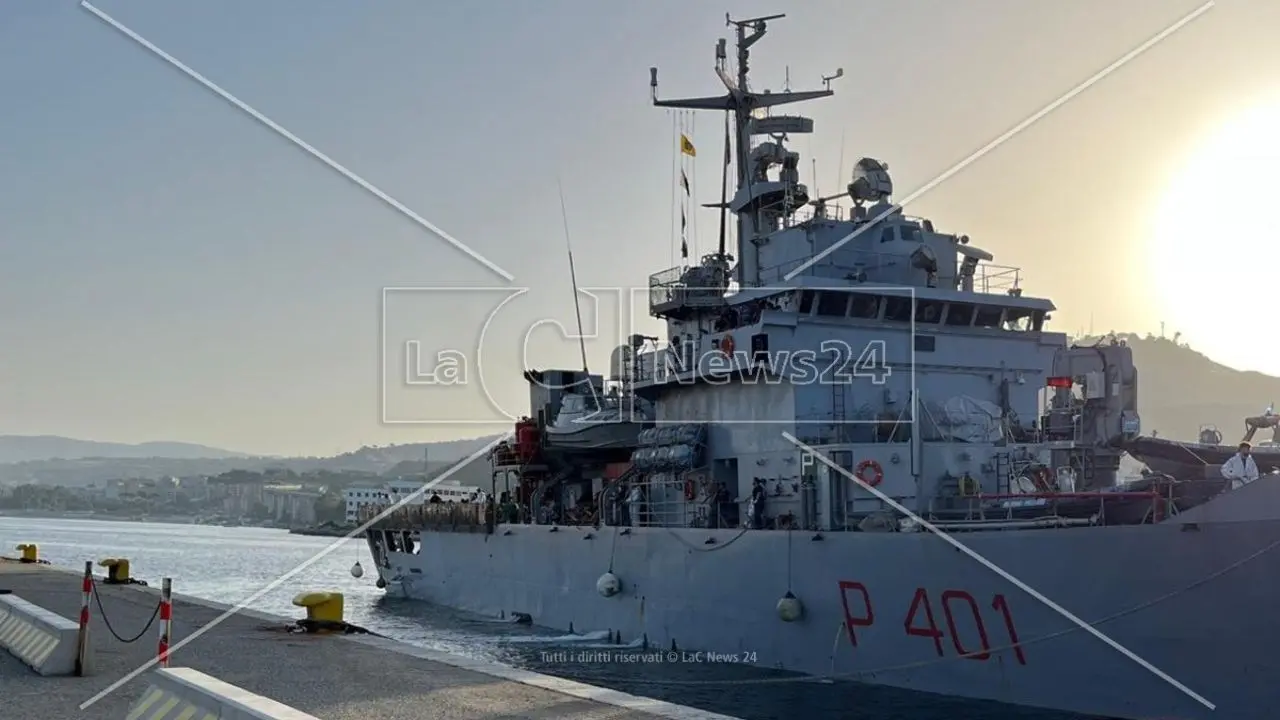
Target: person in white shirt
x: 1240, y: 469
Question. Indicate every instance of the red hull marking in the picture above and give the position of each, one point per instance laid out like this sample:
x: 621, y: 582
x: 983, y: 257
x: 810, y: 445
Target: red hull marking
x: 851, y: 621
x: 961, y: 596
x: 920, y: 601
x: 1002, y: 606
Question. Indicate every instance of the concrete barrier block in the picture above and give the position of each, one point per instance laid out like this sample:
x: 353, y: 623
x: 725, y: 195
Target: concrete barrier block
x: 174, y: 693
x: 43, y: 640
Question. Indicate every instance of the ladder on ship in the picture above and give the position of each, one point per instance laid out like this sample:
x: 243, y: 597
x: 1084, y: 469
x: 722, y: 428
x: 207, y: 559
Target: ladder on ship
x: 1004, y: 473
x: 838, y: 434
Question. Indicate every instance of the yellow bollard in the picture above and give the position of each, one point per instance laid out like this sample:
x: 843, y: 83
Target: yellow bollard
x: 322, y: 607
x: 117, y: 571
x: 30, y: 552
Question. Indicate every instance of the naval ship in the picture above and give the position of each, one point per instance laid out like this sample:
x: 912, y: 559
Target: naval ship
x: 867, y: 457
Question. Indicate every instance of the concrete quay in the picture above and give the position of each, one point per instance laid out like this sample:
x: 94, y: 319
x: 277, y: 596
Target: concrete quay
x: 332, y: 677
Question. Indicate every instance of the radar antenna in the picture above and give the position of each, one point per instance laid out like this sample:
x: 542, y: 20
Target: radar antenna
x: 756, y: 23
x: 744, y: 104
x: 870, y: 182
x: 826, y: 79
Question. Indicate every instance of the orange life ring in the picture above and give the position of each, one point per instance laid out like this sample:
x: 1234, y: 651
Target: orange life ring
x: 690, y: 490
x: 877, y: 472
x: 726, y: 344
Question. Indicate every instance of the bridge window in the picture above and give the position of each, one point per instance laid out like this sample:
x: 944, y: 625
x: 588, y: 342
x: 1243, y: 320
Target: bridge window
x: 928, y: 311
x: 833, y: 304
x: 909, y: 233
x: 988, y: 316
x: 1023, y: 320
x: 960, y: 314
x: 806, y: 302
x: 897, y: 309
x: 1018, y: 319
x: 888, y: 234
x: 866, y: 306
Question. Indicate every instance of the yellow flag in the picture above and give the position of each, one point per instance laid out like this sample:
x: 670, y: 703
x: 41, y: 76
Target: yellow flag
x: 686, y: 146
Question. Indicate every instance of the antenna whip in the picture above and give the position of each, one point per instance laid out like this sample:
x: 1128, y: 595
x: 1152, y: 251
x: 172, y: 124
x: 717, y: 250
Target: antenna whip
x: 573, y: 277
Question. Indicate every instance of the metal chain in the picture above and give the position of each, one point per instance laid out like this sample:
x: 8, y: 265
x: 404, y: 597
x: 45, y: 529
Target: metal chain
x: 102, y: 611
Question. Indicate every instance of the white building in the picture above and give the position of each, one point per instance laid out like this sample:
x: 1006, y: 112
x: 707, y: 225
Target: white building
x: 401, y: 490
x: 358, y: 497
x: 448, y: 491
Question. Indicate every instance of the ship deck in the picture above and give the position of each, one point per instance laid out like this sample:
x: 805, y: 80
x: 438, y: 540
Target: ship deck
x: 330, y: 676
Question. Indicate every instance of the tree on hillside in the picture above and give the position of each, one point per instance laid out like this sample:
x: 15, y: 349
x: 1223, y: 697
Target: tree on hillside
x: 331, y: 508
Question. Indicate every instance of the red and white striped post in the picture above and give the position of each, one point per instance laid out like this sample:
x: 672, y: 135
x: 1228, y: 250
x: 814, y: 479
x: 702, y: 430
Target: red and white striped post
x: 82, y: 639
x: 166, y: 615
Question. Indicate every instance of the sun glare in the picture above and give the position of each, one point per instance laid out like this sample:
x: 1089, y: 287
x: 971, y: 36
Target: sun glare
x: 1215, y: 244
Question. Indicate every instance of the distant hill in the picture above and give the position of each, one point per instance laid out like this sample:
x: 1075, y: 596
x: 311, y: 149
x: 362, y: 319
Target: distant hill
x: 22, y: 448
x: 72, y: 470
x: 381, y: 459
x: 1180, y: 389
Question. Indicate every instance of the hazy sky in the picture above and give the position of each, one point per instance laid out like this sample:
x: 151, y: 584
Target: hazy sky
x: 171, y: 269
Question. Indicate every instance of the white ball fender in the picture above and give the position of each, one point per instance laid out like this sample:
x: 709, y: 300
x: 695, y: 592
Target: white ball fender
x: 790, y: 609
x: 608, y: 585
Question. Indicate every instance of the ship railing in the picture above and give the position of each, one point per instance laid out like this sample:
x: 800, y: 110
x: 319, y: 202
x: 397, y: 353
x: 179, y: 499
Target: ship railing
x: 668, y: 290
x: 824, y: 211
x: 841, y: 212
x: 988, y: 278
x: 440, y: 517
x: 1061, y: 424
x: 1017, y: 467
x: 669, y: 502
x: 505, y: 455
x: 672, y: 500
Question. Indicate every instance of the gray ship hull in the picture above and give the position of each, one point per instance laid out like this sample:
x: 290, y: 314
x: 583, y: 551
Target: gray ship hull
x: 1196, y: 600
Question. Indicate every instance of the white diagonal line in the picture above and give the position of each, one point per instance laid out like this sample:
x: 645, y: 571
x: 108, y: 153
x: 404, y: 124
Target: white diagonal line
x: 1008, y: 134
x: 348, y: 174
x: 302, y: 566
x: 1001, y: 572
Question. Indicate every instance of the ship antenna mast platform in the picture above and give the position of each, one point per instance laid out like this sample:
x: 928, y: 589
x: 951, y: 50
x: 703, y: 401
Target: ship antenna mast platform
x: 741, y: 103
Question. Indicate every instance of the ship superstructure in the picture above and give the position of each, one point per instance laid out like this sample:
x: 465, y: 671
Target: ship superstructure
x: 715, y: 514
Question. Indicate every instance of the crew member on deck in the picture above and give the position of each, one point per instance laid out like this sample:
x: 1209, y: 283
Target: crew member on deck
x: 1240, y: 469
x: 755, y: 506
x: 508, y: 512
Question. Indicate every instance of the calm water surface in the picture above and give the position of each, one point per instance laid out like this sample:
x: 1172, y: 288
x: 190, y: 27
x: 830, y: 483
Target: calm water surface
x: 233, y: 565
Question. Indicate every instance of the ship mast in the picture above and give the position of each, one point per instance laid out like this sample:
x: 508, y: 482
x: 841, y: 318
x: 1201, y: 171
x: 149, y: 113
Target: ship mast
x: 741, y: 102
